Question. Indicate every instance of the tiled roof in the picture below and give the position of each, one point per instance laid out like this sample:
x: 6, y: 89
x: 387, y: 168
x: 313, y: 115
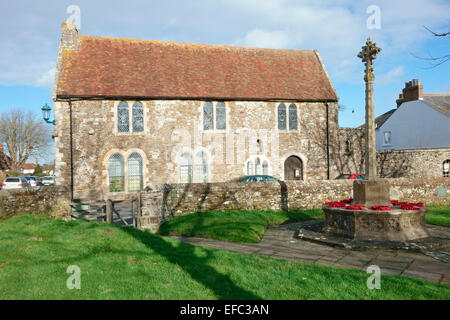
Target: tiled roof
x: 28, y: 166
x: 113, y: 67
x: 439, y: 102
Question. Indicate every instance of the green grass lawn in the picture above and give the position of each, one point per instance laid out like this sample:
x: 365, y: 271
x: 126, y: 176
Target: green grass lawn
x: 233, y: 225
x: 438, y: 215
x: 125, y: 263
x: 250, y: 226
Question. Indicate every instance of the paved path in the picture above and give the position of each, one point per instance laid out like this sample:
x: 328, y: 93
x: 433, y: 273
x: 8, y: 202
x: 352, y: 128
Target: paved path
x: 280, y: 242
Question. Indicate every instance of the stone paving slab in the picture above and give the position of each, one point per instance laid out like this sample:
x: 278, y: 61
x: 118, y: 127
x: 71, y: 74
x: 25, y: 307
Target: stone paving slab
x: 282, y: 243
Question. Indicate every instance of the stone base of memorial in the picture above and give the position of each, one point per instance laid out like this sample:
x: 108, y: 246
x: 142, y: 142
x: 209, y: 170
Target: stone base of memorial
x: 393, y: 225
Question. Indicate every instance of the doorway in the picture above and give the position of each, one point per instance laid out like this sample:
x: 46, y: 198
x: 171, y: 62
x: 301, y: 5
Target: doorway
x: 293, y: 168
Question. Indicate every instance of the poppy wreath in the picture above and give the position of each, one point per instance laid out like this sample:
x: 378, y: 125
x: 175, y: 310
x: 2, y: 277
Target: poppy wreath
x: 418, y: 204
x: 347, y: 200
x: 335, y: 204
x: 355, y: 207
x: 381, y: 208
x: 395, y: 203
x: 409, y: 207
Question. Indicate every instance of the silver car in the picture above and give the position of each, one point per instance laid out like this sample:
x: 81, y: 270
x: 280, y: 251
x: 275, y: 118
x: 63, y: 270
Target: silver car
x: 15, y: 183
x: 48, y: 180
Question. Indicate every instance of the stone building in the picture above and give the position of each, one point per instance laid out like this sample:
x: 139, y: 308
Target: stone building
x: 130, y: 113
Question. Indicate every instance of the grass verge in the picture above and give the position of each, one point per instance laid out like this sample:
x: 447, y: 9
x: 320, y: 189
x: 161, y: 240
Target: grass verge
x: 125, y: 263
x: 233, y: 225
x: 438, y: 215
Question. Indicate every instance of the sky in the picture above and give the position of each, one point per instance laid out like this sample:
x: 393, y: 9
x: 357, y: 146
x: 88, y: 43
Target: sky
x: 30, y: 33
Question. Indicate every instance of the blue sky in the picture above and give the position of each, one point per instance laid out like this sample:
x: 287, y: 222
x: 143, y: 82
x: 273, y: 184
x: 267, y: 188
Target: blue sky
x: 30, y: 34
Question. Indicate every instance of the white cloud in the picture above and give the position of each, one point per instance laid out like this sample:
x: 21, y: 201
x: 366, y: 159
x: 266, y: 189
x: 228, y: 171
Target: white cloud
x: 47, y: 78
x: 266, y: 39
x: 393, y: 75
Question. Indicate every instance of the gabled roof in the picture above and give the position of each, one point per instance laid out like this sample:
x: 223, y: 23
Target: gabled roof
x: 439, y: 102
x: 115, y: 67
x: 28, y: 166
x: 381, y: 119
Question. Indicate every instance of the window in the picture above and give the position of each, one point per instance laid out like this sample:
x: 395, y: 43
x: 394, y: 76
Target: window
x: 116, y: 173
x: 201, y: 167
x: 138, y: 117
x: 221, y: 122
x: 186, y: 168
x: 249, y: 168
x: 387, y: 137
x: 123, y: 117
x: 135, y: 175
x: 293, y: 117
x: 282, y: 117
x: 220, y: 116
x: 265, y: 168
x: 257, y: 166
x: 446, y: 168
x: 208, y: 116
x: 124, y: 114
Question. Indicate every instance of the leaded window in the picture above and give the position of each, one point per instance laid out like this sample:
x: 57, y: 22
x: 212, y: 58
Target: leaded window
x: 265, y: 167
x: 249, y: 168
x: 221, y: 117
x: 123, y: 117
x: 208, y: 120
x: 135, y: 174
x: 186, y: 168
x: 257, y: 166
x: 201, y: 167
x: 293, y: 117
x: 138, y: 117
x: 446, y: 168
x: 282, y: 117
x: 116, y: 173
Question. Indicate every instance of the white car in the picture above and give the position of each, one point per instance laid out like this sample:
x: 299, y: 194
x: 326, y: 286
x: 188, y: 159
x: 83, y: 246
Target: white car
x: 15, y: 183
x: 32, y: 180
x: 48, y: 180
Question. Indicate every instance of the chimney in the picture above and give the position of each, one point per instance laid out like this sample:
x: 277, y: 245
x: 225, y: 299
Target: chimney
x: 69, y: 35
x: 412, y: 91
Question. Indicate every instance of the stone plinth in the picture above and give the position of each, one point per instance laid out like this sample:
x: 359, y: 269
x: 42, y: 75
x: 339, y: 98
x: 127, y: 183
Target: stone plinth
x: 394, y: 225
x: 374, y: 192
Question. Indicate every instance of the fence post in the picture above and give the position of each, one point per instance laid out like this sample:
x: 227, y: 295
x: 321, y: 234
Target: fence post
x: 138, y: 211
x: 109, y: 211
x: 132, y: 212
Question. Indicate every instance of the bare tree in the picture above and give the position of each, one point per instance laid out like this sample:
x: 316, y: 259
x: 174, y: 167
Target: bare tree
x: 23, y: 135
x: 436, y: 61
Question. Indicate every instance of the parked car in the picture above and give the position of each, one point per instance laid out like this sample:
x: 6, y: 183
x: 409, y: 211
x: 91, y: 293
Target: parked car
x: 48, y: 180
x: 258, y: 178
x: 15, y: 183
x: 352, y: 176
x: 32, y: 180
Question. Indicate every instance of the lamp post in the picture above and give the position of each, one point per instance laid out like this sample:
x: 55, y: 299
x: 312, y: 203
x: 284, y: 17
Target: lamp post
x: 46, y: 114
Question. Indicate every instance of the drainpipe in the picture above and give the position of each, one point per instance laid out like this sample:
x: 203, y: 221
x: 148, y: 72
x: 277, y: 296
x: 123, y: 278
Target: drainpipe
x: 328, y: 145
x: 71, y: 152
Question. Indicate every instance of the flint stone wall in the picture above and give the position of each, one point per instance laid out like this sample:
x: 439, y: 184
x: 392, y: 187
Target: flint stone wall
x: 52, y: 200
x: 166, y: 202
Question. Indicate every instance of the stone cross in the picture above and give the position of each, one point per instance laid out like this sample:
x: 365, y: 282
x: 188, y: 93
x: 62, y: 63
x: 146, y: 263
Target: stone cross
x: 368, y: 54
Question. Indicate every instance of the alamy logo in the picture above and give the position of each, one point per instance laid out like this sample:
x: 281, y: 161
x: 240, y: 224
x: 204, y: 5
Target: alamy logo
x: 75, y: 15
x: 374, y: 281
x: 374, y: 20
x: 74, y: 281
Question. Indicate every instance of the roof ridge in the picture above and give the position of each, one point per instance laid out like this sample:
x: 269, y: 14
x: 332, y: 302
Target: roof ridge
x: 188, y: 44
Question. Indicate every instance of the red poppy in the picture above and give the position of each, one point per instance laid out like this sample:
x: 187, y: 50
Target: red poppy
x: 395, y: 203
x: 356, y: 207
x: 347, y: 200
x: 408, y: 207
x: 418, y: 204
x: 381, y: 208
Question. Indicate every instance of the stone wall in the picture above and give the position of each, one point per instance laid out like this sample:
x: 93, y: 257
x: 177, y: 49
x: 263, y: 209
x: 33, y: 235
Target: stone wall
x: 172, y: 127
x: 169, y: 201
x: 51, y: 200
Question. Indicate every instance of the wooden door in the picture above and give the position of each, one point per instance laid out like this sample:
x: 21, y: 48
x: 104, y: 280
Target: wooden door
x: 293, y: 168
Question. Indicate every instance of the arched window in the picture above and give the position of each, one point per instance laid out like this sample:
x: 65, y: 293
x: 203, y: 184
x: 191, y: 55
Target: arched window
x: 186, y: 168
x: 249, y: 168
x: 293, y: 117
x: 123, y: 117
x: 201, y: 167
x: 282, y: 117
x: 265, y: 168
x: 138, y: 117
x: 116, y: 173
x: 135, y: 175
x: 257, y: 166
x: 446, y: 168
x: 221, y: 117
x: 208, y: 116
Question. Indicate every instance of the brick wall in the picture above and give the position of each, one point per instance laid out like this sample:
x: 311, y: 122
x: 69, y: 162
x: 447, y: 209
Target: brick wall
x: 169, y: 201
x: 53, y: 201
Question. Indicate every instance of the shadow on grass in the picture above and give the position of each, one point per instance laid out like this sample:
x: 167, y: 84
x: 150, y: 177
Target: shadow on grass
x: 184, y: 256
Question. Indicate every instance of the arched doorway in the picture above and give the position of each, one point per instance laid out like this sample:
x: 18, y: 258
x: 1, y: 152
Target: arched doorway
x: 293, y: 168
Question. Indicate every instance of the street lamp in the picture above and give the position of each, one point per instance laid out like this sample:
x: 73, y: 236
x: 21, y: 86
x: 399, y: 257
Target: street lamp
x: 46, y: 114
